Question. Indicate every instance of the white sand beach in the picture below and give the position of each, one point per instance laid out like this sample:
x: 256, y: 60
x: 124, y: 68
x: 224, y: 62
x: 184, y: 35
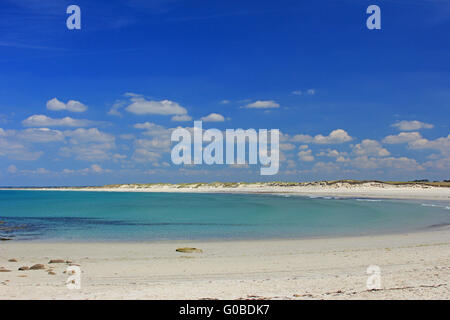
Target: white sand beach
x: 413, y: 266
x: 371, y: 189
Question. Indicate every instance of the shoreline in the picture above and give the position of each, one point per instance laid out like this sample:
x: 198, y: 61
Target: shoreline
x: 370, y: 190
x: 413, y: 266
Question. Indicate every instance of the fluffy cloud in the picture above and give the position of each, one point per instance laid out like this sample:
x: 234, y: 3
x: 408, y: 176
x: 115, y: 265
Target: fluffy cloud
x: 81, y: 135
x: 213, y: 117
x: 262, y: 104
x: 402, y: 137
x: 335, y: 137
x: 39, y: 120
x: 17, y: 151
x: 441, y: 144
x: 399, y: 164
x: 41, y: 135
x: 181, y: 118
x: 152, y: 129
x: 139, y: 105
x: 370, y: 148
x: 72, y: 105
x: 305, y: 155
x: 88, y: 145
x: 405, y: 125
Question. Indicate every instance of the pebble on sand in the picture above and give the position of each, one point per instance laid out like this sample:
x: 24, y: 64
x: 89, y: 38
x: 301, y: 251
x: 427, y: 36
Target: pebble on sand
x: 2, y: 269
x: 189, y: 250
x: 57, y: 261
x: 24, y: 268
x: 12, y: 260
x: 37, y: 267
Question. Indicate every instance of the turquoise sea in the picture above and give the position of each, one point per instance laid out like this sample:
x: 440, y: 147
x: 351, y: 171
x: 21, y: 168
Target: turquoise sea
x: 126, y: 216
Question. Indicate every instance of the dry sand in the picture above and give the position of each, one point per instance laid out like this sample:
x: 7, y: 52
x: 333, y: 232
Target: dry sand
x: 413, y: 266
x: 363, y: 190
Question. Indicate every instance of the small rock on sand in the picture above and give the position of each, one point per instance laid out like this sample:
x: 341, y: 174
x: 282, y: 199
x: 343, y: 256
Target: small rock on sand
x: 37, y: 267
x: 57, y: 261
x: 12, y: 260
x: 24, y: 268
x: 51, y: 273
x: 2, y: 269
x: 189, y: 250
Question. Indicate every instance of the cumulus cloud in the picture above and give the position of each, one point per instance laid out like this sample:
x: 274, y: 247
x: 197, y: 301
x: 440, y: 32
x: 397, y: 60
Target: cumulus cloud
x: 139, y: 105
x: 17, y: 151
x: 181, y: 118
x: 213, y: 117
x: 88, y: 145
x: 335, y: 137
x: 41, y: 135
x: 405, y: 125
x: 152, y: 129
x: 81, y: 135
x: 441, y: 144
x: 262, y: 104
x: 399, y: 164
x: 39, y: 120
x: 370, y: 148
x: 402, y: 137
x: 305, y: 155
x: 72, y: 105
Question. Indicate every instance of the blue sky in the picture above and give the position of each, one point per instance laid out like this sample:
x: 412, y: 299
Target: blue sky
x: 350, y: 102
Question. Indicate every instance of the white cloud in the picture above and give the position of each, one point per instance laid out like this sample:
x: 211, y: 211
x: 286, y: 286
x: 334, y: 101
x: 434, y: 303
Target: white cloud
x: 306, y: 155
x: 39, y: 120
x: 405, y: 125
x: 142, y: 155
x: 17, y: 151
x: 311, y: 92
x: 213, y: 117
x: 72, y: 105
x: 297, y: 92
x: 41, y: 135
x: 114, y: 111
x: 442, y: 144
x: 225, y: 101
x: 152, y: 129
x: 181, y: 118
x: 335, y: 137
x: 152, y: 144
x: 80, y: 136
x: 287, y: 146
x: 402, y: 137
x: 12, y: 169
x: 399, y: 164
x: 88, y: 145
x: 370, y: 148
x: 93, y: 169
x: 262, y: 104
x: 142, y: 106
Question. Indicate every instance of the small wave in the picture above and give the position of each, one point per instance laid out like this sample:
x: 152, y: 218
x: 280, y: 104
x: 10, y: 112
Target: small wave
x: 432, y: 205
x: 369, y: 200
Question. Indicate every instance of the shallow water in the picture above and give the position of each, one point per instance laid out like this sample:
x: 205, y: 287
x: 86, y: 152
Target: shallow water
x: 127, y: 216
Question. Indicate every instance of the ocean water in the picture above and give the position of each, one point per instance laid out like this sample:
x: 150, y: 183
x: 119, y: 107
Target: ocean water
x: 126, y: 216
